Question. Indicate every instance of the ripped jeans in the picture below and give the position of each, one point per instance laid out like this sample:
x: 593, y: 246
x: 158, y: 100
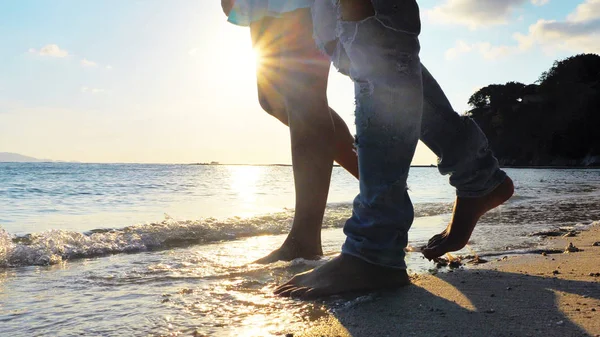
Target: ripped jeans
x: 397, y: 102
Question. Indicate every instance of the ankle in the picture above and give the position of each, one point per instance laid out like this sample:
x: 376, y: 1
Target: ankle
x: 303, y: 245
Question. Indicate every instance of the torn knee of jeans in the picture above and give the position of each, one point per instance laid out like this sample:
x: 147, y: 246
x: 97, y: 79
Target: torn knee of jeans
x: 404, y: 63
x: 356, y: 10
x: 365, y: 87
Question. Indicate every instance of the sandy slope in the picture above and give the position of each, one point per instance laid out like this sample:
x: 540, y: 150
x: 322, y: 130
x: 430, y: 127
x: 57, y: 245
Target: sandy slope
x: 551, y: 295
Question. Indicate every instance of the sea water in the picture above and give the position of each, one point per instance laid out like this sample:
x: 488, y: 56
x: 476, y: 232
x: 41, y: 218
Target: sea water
x: 166, y: 250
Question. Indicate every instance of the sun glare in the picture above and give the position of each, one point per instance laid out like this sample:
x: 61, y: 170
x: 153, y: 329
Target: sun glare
x: 254, y: 56
x: 243, y: 180
x: 250, y: 60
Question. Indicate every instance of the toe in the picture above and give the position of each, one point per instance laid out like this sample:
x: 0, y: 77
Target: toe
x: 299, y: 292
x: 436, y: 239
x: 287, y: 292
x: 312, y: 294
x: 284, y: 288
x: 431, y: 253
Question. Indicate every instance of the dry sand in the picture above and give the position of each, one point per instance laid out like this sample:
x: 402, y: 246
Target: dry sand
x: 553, y: 295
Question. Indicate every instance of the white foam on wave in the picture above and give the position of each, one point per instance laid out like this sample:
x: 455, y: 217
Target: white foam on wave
x: 55, y: 246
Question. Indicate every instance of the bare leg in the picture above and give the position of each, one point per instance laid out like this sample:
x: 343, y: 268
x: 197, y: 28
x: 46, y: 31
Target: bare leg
x: 304, y: 239
x: 318, y: 134
x: 269, y: 81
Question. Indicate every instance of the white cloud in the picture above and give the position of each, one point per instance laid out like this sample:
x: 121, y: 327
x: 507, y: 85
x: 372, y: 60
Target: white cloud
x: 539, y: 2
x: 51, y: 50
x: 474, y: 13
x: 477, y: 13
x: 87, y: 63
x: 93, y: 91
x: 193, y: 51
x: 108, y: 67
x: 461, y: 47
x: 588, y: 10
x: 485, y: 49
x: 579, y: 32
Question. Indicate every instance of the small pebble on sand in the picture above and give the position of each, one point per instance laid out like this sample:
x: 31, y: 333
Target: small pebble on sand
x: 571, y: 248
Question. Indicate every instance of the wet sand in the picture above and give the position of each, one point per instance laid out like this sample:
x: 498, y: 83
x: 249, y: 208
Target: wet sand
x: 530, y: 295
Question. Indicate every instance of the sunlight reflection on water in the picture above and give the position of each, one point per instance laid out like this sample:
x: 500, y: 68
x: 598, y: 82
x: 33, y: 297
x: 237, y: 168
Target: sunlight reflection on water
x: 210, y: 287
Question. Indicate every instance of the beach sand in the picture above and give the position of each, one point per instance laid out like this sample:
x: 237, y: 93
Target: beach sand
x: 531, y: 295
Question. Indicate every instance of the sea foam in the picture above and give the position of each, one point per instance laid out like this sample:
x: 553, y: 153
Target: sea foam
x: 56, y: 246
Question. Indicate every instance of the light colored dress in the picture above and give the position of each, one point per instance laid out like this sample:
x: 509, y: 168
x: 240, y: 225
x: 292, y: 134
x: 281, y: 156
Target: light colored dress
x: 244, y: 12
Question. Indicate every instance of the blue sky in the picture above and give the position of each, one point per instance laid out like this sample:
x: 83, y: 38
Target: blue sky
x: 172, y: 81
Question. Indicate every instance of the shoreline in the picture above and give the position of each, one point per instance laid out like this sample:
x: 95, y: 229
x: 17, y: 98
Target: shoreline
x: 553, y: 167
x: 540, y: 167
x: 519, y: 295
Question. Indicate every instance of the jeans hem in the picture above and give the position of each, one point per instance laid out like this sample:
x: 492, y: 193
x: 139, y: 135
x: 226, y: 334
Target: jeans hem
x: 364, y: 258
x: 497, y: 179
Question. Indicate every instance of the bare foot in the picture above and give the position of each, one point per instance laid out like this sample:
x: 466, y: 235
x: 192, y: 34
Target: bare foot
x: 465, y: 215
x: 438, y: 237
x: 343, y: 274
x: 291, y: 250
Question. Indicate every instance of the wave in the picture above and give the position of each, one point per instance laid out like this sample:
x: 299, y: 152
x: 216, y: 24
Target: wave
x: 56, y: 245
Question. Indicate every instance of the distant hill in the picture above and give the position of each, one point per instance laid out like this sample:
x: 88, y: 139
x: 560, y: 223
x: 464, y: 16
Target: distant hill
x: 18, y: 158
x: 553, y: 122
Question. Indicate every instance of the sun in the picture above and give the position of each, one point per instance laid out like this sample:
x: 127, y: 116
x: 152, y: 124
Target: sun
x: 249, y: 59
x: 254, y: 56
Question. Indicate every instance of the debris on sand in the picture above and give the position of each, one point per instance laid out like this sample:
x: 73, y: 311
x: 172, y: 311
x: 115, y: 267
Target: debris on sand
x: 454, y: 262
x: 477, y: 260
x: 571, y: 248
x: 440, y: 262
x: 546, y: 252
x: 474, y: 258
x: 596, y: 244
x: 563, y: 231
x: 449, y: 261
x: 412, y: 249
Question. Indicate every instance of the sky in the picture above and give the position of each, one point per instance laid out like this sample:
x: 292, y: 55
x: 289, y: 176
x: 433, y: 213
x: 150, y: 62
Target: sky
x: 157, y: 81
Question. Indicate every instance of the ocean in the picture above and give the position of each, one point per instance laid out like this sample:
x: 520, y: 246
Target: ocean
x: 166, y: 250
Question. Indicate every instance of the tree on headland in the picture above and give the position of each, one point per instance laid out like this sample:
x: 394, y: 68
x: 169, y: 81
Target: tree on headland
x: 555, y: 122
x: 497, y: 95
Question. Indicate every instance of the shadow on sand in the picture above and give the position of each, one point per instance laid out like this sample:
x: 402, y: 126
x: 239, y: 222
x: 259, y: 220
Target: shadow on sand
x: 474, y: 303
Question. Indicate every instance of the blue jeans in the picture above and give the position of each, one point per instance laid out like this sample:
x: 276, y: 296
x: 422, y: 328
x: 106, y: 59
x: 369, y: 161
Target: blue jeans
x: 397, y: 102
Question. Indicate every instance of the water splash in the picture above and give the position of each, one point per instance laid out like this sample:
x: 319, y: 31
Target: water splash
x: 56, y: 246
